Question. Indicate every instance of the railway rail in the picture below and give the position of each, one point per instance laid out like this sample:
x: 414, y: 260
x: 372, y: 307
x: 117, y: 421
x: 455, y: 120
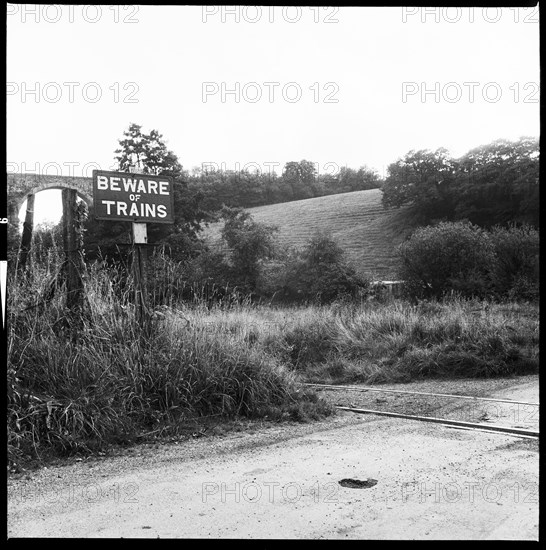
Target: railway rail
x: 509, y: 430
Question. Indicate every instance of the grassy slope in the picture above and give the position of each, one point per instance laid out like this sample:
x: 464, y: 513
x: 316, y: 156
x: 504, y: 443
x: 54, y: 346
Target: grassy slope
x: 357, y: 220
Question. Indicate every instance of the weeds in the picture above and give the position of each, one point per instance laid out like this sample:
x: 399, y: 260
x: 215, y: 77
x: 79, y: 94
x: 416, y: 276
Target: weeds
x: 121, y: 378
x: 396, y: 341
x: 401, y: 342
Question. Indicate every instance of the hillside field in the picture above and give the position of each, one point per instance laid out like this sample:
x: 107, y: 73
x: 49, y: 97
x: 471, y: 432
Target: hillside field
x: 367, y: 232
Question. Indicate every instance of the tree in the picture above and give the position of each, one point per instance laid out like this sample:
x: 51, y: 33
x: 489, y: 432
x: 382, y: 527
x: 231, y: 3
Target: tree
x: 349, y: 179
x: 149, y: 154
x: 498, y: 183
x: 301, y: 177
x: 492, y: 184
x: 250, y: 243
x: 423, y: 179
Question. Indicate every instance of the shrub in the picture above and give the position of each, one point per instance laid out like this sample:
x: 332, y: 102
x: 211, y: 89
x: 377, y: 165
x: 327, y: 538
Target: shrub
x: 449, y: 256
x: 249, y: 243
x: 320, y: 273
x: 515, y: 272
x: 232, y: 266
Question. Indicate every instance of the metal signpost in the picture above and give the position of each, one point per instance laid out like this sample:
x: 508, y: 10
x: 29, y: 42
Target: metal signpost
x: 141, y: 199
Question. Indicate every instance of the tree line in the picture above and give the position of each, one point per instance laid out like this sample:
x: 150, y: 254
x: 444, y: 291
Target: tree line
x: 298, y: 181
x: 494, y: 184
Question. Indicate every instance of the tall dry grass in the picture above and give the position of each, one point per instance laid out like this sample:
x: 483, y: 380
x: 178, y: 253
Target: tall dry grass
x: 121, y: 377
x: 401, y: 341
x: 118, y: 379
x: 386, y: 342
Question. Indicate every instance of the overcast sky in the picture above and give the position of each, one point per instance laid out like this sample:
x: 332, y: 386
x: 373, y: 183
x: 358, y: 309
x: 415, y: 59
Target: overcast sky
x: 336, y: 86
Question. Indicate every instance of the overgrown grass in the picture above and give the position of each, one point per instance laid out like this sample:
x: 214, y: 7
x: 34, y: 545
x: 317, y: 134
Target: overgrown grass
x: 118, y: 379
x: 377, y: 342
x: 398, y: 341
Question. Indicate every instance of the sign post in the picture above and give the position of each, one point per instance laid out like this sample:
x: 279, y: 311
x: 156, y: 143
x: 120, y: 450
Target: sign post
x: 141, y: 199
x: 140, y: 266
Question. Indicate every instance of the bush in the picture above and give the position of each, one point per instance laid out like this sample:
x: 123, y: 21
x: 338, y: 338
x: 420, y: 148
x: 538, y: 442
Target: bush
x: 254, y: 265
x: 465, y: 259
x: 515, y: 272
x: 250, y: 243
x: 447, y: 257
x: 319, y: 274
x: 231, y: 267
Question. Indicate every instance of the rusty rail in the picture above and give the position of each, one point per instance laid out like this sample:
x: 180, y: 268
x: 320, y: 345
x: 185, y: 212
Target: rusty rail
x: 457, y: 423
x: 386, y: 390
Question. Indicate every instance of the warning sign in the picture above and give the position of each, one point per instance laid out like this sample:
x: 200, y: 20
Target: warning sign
x: 139, y: 198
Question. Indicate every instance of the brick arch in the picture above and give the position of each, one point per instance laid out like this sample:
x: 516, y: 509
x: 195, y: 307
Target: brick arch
x: 20, y: 186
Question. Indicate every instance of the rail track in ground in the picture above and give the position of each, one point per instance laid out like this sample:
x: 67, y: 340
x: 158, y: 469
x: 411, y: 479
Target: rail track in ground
x: 514, y: 429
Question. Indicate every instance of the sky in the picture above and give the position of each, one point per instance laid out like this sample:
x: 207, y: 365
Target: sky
x: 258, y: 87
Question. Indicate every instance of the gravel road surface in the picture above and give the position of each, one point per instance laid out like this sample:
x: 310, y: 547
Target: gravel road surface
x: 418, y: 480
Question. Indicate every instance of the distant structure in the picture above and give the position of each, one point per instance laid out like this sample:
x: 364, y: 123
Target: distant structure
x: 21, y: 186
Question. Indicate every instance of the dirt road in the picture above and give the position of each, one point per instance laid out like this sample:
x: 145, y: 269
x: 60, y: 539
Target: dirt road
x: 281, y: 481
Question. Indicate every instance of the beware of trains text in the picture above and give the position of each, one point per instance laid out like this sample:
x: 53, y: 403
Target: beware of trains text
x: 139, y: 198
